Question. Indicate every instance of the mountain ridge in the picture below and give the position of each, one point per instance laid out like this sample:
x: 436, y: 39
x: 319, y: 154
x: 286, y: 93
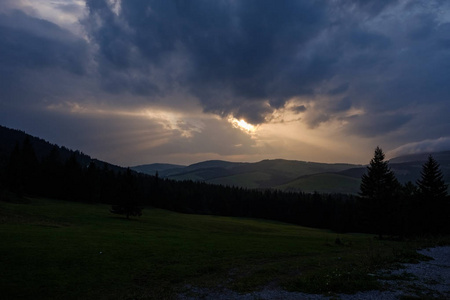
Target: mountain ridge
x: 296, y: 175
x: 283, y: 174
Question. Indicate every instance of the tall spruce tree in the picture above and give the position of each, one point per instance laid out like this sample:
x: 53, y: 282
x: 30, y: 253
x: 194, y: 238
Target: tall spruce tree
x: 431, y: 184
x: 433, y: 209
x: 379, y: 180
x: 379, y: 187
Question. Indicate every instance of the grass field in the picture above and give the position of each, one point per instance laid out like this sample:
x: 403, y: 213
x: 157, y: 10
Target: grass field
x: 63, y: 250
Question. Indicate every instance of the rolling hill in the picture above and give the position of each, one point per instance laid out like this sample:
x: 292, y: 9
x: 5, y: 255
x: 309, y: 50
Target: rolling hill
x: 287, y: 175
x: 292, y: 175
x: 151, y: 169
x: 277, y: 173
x: 324, y: 183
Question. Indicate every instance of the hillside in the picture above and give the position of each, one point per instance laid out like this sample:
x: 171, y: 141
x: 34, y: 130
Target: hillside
x: 151, y: 169
x: 324, y: 182
x: 443, y: 157
x: 292, y: 175
x: 263, y: 174
x: 288, y: 175
x: 408, y: 167
x: 10, y: 137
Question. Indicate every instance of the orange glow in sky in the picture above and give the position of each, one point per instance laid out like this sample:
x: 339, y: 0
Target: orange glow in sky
x: 242, y: 125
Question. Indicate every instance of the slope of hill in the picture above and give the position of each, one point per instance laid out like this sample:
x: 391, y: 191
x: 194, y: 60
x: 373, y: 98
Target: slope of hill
x: 279, y: 173
x: 291, y: 175
x: 324, y: 183
x: 263, y: 174
x: 151, y: 169
x: 10, y: 137
x: 442, y: 157
x: 408, y: 167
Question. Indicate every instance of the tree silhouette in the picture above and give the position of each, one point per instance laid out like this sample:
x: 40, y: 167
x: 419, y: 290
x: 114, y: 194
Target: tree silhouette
x: 127, y: 209
x: 23, y: 169
x: 52, y: 183
x: 432, y: 196
x: 128, y: 203
x: 378, y: 187
x: 431, y: 184
x: 14, y: 170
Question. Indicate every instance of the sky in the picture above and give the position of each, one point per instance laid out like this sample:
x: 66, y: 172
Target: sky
x: 182, y: 81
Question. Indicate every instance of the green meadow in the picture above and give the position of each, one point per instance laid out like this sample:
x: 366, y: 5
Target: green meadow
x: 65, y: 250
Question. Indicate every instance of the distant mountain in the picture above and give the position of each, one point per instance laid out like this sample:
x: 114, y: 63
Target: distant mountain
x: 277, y: 173
x: 289, y: 175
x: 292, y: 175
x: 442, y: 157
x: 151, y: 169
x: 408, y: 167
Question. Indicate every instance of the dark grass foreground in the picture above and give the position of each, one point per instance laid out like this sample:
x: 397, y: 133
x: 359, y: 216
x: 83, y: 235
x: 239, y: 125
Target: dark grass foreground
x: 66, y: 250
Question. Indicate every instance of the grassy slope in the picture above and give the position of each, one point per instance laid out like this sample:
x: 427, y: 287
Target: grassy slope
x: 324, y: 183
x: 247, y: 180
x: 63, y: 250
x: 263, y: 174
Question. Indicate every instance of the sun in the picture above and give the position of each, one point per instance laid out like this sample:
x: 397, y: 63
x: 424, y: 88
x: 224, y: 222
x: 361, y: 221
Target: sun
x: 242, y: 125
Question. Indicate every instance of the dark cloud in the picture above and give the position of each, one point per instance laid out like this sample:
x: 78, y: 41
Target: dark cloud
x: 236, y: 51
x: 363, y: 40
x: 373, y: 125
x: 339, y: 89
x: 425, y: 146
x: 34, y: 55
x: 422, y: 28
x: 371, y: 7
x: 340, y: 105
x: 34, y: 43
x: 299, y: 108
x: 377, y: 67
x: 247, y: 58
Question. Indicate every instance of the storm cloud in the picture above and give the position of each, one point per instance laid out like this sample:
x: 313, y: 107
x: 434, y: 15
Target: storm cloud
x: 234, y: 56
x: 369, y: 70
x: 248, y: 58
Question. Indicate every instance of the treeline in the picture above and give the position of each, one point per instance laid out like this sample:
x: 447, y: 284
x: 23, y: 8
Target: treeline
x: 398, y: 210
x: 409, y: 209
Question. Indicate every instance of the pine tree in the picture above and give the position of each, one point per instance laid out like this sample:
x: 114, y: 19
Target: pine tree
x: 379, y: 181
x: 379, y: 187
x: 433, y: 208
x: 432, y: 185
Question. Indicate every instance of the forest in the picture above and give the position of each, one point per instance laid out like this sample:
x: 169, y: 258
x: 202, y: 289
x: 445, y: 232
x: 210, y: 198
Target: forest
x: 384, y: 206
